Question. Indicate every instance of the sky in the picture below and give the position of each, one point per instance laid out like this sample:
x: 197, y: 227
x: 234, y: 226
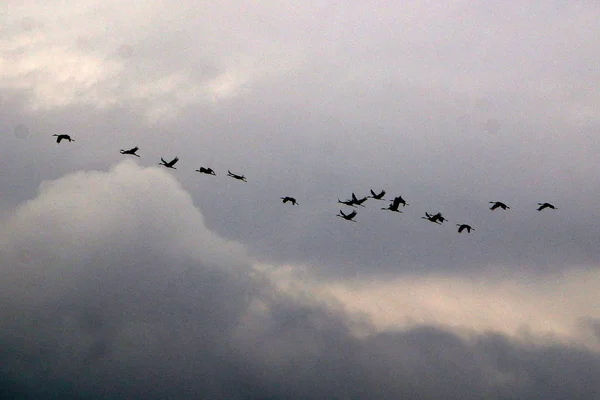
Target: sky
x: 123, y: 279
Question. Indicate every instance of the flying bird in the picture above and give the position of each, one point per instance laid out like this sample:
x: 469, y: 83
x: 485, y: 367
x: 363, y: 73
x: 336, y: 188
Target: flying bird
x: 462, y: 227
x: 439, y: 217
x: 546, y: 205
x: 208, y: 171
x: 62, y: 136
x: 130, y: 151
x: 290, y: 199
x: 497, y: 204
x: 347, y: 217
x: 402, y: 201
x: 358, y: 202
x: 432, y: 218
x: 170, y: 163
x: 238, y: 177
x: 377, y: 196
x: 347, y: 202
x: 394, y: 205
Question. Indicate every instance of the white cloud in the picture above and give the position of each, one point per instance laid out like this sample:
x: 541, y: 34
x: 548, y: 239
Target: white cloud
x: 145, y: 57
x: 541, y: 308
x: 89, y: 216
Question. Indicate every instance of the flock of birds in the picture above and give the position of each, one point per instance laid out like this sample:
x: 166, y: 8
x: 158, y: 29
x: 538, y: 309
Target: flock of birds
x: 354, y: 201
x: 436, y: 218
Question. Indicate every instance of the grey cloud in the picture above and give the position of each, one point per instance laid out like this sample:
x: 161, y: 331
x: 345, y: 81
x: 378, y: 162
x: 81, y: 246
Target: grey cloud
x: 317, y: 172
x: 114, y: 282
x: 118, y: 302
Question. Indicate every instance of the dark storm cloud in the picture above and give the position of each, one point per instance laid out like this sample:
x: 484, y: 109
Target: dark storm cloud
x: 103, y: 297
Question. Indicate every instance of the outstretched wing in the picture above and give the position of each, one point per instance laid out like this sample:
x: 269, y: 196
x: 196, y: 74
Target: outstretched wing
x: 173, y: 161
x: 351, y: 215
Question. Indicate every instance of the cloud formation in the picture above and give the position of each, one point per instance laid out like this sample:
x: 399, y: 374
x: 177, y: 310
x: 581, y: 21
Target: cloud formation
x: 120, y: 276
x: 123, y: 299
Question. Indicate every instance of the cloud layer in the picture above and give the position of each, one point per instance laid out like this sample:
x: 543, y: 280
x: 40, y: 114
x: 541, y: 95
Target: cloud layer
x: 105, y: 294
x: 123, y: 279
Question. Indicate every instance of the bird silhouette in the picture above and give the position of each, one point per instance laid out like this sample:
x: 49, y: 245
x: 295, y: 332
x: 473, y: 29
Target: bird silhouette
x: 432, y: 218
x: 546, y: 205
x: 290, y: 199
x: 439, y: 217
x: 347, y: 202
x: 394, y: 205
x: 462, y: 227
x: 62, y: 136
x: 357, y: 201
x: 497, y: 204
x: 402, y: 201
x: 208, y: 171
x: 170, y: 163
x: 347, y: 217
x: 130, y: 151
x: 377, y: 196
x: 235, y: 176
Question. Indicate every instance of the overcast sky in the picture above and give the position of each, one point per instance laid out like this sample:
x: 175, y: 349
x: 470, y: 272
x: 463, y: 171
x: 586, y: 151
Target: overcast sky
x: 124, y: 279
